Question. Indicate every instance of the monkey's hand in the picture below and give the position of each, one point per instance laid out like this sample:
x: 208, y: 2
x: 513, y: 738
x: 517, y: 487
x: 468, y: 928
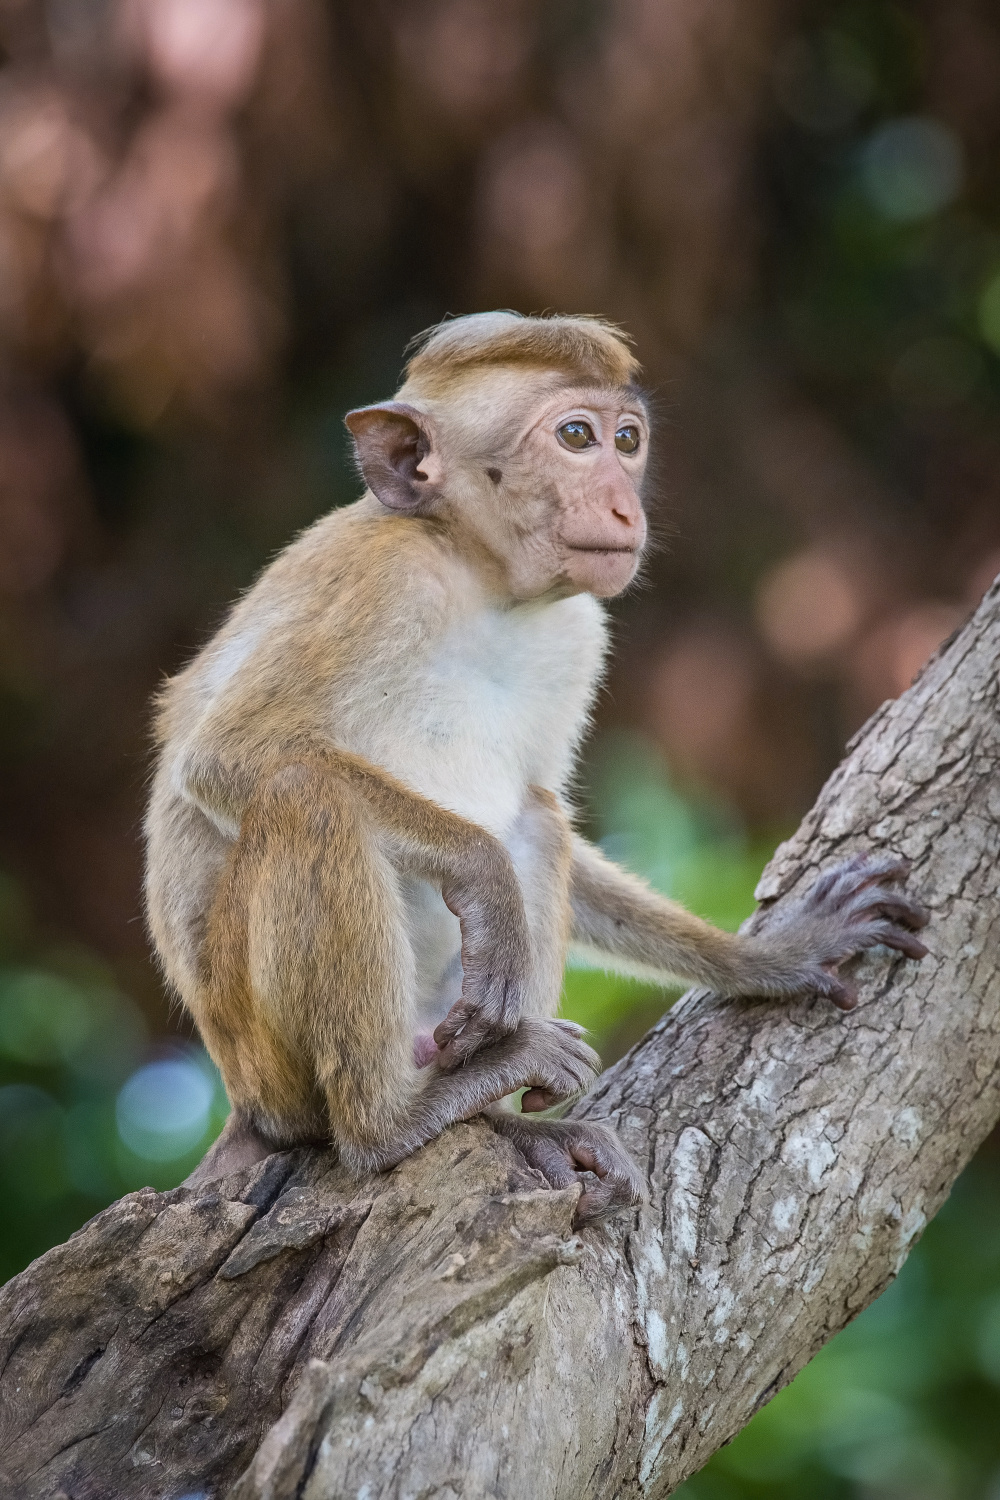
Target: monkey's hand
x: 549, y: 1059
x: 569, y: 1151
x: 854, y: 906
x: 495, y: 956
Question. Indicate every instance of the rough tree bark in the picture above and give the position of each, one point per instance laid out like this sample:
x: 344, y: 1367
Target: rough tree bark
x: 443, y: 1332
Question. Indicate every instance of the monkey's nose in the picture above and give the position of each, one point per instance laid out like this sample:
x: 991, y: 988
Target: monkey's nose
x: 626, y: 510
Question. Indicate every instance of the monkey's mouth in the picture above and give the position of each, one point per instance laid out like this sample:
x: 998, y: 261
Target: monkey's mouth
x: 601, y: 551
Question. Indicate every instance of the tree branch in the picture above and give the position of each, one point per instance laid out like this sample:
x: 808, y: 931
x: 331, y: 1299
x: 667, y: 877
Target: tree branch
x: 441, y: 1331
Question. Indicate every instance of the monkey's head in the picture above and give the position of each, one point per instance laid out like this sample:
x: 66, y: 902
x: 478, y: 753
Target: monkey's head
x: 526, y: 439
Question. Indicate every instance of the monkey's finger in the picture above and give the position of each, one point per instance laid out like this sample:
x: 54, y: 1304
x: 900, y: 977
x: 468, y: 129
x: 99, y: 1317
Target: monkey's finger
x: 603, y: 1198
x: 586, y: 1157
x: 572, y: 1027
x: 599, y: 1152
x: 599, y: 1200
x: 552, y: 1159
x: 896, y: 907
x: 607, y: 1193
x: 535, y: 1099
x: 837, y: 886
x: 458, y: 1051
x: 876, y: 868
x: 825, y: 883
x: 474, y: 1032
x: 456, y: 1019
x: 463, y: 1030
x: 899, y: 938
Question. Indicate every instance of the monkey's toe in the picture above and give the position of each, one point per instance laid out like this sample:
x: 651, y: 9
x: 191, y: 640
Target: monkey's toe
x: 857, y: 905
x: 580, y: 1151
x: 618, y: 1185
x: 839, y: 887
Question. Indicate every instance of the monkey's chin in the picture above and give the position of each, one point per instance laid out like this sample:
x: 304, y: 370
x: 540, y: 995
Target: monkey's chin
x: 603, y: 574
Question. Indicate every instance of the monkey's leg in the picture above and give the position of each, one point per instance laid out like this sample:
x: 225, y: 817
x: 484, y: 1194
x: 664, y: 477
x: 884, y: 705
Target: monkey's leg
x: 315, y: 1012
x: 547, y: 1057
x: 418, y: 837
x: 307, y: 1006
x: 854, y: 906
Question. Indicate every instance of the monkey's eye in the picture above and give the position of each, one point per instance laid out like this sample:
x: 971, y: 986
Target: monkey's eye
x: 576, y: 435
x: 627, y: 438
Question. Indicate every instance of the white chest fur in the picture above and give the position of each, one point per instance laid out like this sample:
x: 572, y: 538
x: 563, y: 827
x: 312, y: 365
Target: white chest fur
x: 498, y: 703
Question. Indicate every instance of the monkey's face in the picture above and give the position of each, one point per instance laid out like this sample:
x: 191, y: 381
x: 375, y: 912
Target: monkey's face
x: 540, y: 479
x: 583, y: 456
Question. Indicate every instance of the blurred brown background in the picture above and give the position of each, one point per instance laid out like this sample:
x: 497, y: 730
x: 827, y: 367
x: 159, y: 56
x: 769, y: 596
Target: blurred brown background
x: 221, y: 221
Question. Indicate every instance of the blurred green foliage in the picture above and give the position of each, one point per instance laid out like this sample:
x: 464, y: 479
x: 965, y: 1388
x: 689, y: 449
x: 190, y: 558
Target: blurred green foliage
x: 90, y: 1106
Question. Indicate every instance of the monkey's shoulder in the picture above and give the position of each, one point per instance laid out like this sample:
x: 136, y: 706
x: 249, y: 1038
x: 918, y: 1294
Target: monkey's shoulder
x: 364, y: 575
x: 350, y: 591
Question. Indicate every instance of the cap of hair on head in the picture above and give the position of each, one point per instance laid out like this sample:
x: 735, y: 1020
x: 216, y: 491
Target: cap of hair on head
x: 590, y: 348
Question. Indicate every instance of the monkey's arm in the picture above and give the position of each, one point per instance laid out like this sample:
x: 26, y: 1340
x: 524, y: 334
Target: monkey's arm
x: 477, y: 879
x: 622, y: 924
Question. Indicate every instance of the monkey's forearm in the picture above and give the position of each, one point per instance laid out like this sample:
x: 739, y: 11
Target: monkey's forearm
x: 853, y: 906
x: 623, y: 924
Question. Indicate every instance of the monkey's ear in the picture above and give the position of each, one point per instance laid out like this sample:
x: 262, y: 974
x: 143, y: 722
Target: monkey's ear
x: 396, y: 454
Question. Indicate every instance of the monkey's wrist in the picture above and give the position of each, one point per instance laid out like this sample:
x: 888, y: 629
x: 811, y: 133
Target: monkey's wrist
x: 484, y: 887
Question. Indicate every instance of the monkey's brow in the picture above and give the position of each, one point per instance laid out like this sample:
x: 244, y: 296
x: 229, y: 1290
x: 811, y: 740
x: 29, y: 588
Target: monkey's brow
x: 638, y: 393
x: 631, y: 394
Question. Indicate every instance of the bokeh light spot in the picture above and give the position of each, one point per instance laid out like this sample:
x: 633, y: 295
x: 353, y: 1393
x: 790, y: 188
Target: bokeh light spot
x: 163, y: 1110
x: 912, y: 168
x: 206, y: 47
x: 807, y: 607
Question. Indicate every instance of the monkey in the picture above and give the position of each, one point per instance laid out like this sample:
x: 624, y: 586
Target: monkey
x: 362, y: 872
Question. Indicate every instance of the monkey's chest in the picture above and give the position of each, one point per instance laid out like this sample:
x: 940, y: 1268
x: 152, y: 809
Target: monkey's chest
x: 498, y: 706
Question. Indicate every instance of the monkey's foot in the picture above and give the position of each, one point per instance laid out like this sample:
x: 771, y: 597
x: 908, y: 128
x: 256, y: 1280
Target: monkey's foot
x: 238, y: 1145
x: 569, y: 1151
x: 854, y: 906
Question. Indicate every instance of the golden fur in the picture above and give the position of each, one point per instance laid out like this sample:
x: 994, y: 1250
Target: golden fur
x: 361, y: 875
